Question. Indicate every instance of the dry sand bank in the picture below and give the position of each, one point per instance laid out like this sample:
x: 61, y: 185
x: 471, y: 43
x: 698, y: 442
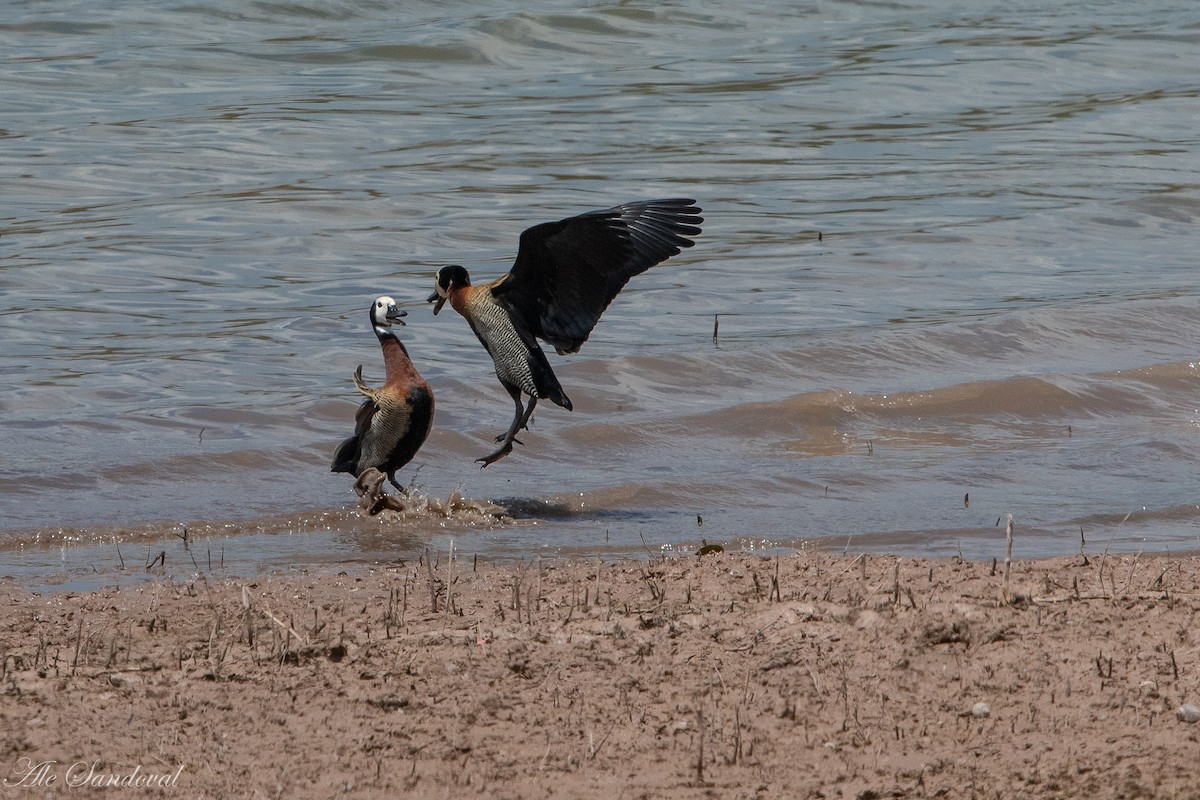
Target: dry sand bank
x: 727, y: 676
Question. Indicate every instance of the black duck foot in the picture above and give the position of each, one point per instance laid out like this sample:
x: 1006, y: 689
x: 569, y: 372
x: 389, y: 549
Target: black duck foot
x: 504, y: 450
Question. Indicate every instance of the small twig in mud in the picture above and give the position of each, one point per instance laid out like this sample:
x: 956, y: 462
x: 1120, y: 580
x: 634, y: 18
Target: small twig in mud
x: 42, y: 654
x: 721, y: 679
x: 537, y: 598
x: 389, y: 616
x: 318, y: 626
x: 288, y: 628
x: 700, y: 752
x: 1129, y: 580
x: 657, y: 593
x: 594, y: 746
x: 1074, y: 597
x: 216, y: 657
x: 737, y: 735
x: 78, y: 644
x: 112, y: 652
x: 247, y: 618
x: 1113, y: 535
x: 192, y: 556
x: 844, y: 691
x: 433, y: 604
x: 1158, y: 582
x: 1008, y: 542
x: 896, y: 583
x: 813, y: 675
x: 775, y: 594
x: 450, y: 581
x: 404, y: 602
x: 516, y: 595
x: 648, y: 550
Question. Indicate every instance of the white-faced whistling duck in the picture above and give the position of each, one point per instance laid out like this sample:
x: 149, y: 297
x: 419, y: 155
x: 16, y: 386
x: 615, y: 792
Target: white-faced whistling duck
x: 565, y: 275
x: 391, y: 424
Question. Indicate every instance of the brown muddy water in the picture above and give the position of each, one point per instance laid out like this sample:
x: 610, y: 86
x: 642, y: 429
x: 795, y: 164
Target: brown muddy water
x: 951, y: 250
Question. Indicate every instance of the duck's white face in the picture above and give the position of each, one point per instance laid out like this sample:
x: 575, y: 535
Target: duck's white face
x: 385, y: 314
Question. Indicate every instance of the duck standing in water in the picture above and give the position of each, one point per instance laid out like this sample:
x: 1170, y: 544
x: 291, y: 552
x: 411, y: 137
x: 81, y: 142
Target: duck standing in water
x: 565, y: 275
x: 391, y: 424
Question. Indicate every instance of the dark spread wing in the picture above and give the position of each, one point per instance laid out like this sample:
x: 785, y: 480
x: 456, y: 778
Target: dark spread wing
x: 567, y: 272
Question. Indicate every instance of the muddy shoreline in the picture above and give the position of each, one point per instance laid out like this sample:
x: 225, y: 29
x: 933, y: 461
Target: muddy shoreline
x: 728, y: 675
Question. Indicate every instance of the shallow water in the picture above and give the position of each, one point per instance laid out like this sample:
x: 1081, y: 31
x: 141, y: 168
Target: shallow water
x: 1002, y: 305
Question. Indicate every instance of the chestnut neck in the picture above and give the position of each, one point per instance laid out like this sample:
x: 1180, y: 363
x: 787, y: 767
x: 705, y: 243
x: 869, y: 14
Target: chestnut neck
x: 397, y: 365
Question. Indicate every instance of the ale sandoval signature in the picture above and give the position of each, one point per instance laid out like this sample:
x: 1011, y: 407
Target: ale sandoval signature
x: 29, y: 773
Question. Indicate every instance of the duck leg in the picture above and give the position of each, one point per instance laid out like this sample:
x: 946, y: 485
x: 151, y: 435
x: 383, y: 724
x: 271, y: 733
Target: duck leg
x: 520, y: 420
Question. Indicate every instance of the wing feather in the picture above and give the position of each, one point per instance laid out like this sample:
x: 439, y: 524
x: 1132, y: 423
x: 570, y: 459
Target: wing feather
x: 567, y: 272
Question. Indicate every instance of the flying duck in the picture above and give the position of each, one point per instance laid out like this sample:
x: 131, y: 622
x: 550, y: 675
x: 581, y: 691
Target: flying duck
x: 565, y: 275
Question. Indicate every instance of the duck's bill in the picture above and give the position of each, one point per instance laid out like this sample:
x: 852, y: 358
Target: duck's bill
x: 438, y: 300
x: 394, y: 315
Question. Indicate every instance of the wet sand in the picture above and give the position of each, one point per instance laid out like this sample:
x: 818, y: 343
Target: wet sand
x: 727, y: 675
